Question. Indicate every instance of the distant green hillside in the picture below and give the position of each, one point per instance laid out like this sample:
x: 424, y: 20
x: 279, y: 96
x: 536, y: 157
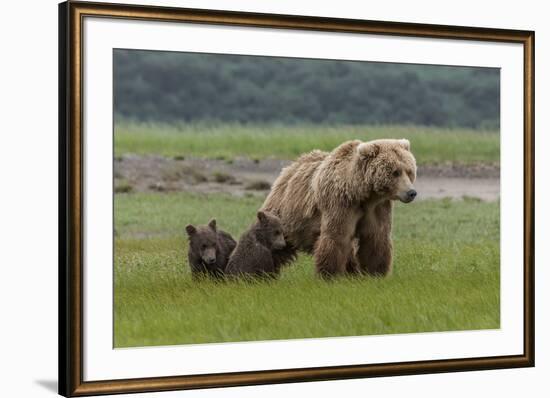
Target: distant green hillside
x: 171, y: 87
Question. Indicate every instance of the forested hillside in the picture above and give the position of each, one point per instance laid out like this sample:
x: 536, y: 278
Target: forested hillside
x: 172, y: 87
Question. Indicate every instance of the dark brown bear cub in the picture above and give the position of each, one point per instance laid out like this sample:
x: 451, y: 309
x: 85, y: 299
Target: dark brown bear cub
x: 254, y: 253
x: 209, y: 250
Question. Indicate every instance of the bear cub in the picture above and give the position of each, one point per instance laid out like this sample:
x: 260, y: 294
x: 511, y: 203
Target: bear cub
x: 209, y: 250
x: 254, y: 253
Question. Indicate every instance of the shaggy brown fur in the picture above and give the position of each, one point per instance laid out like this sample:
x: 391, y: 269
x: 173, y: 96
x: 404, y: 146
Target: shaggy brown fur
x: 209, y: 250
x: 338, y: 205
x: 254, y: 255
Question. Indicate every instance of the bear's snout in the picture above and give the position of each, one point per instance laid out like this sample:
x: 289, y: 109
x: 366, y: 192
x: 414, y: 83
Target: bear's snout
x: 279, y: 243
x: 411, y: 194
x: 407, y: 196
x: 209, y: 256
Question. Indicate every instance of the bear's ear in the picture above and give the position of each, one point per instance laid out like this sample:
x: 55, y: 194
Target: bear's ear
x: 212, y: 224
x: 191, y: 230
x: 368, y: 150
x: 262, y: 217
x: 405, y: 143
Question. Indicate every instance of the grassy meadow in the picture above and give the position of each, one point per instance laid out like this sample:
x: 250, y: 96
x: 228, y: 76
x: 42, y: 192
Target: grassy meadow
x: 446, y: 252
x: 430, y: 145
x: 446, y: 275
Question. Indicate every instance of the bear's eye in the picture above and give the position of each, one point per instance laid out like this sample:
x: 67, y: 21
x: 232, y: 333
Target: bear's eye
x: 203, y: 247
x: 396, y: 173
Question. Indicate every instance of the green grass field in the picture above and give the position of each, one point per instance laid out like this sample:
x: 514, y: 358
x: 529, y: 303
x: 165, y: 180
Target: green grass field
x: 446, y: 270
x: 430, y: 145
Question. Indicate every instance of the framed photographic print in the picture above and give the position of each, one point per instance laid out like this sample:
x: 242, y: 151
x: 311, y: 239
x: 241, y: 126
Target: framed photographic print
x: 251, y: 199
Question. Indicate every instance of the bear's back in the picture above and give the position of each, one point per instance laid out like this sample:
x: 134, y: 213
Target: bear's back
x: 226, y: 245
x: 250, y: 257
x: 293, y: 186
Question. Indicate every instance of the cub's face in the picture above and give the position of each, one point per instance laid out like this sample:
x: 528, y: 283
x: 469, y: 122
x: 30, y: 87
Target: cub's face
x: 390, y: 169
x: 203, y: 241
x: 272, y: 229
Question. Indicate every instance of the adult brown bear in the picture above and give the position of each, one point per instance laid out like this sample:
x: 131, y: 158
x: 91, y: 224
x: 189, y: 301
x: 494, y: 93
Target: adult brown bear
x: 338, y: 205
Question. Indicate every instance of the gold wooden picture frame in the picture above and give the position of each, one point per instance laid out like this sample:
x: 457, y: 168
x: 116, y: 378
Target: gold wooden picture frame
x: 71, y: 236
